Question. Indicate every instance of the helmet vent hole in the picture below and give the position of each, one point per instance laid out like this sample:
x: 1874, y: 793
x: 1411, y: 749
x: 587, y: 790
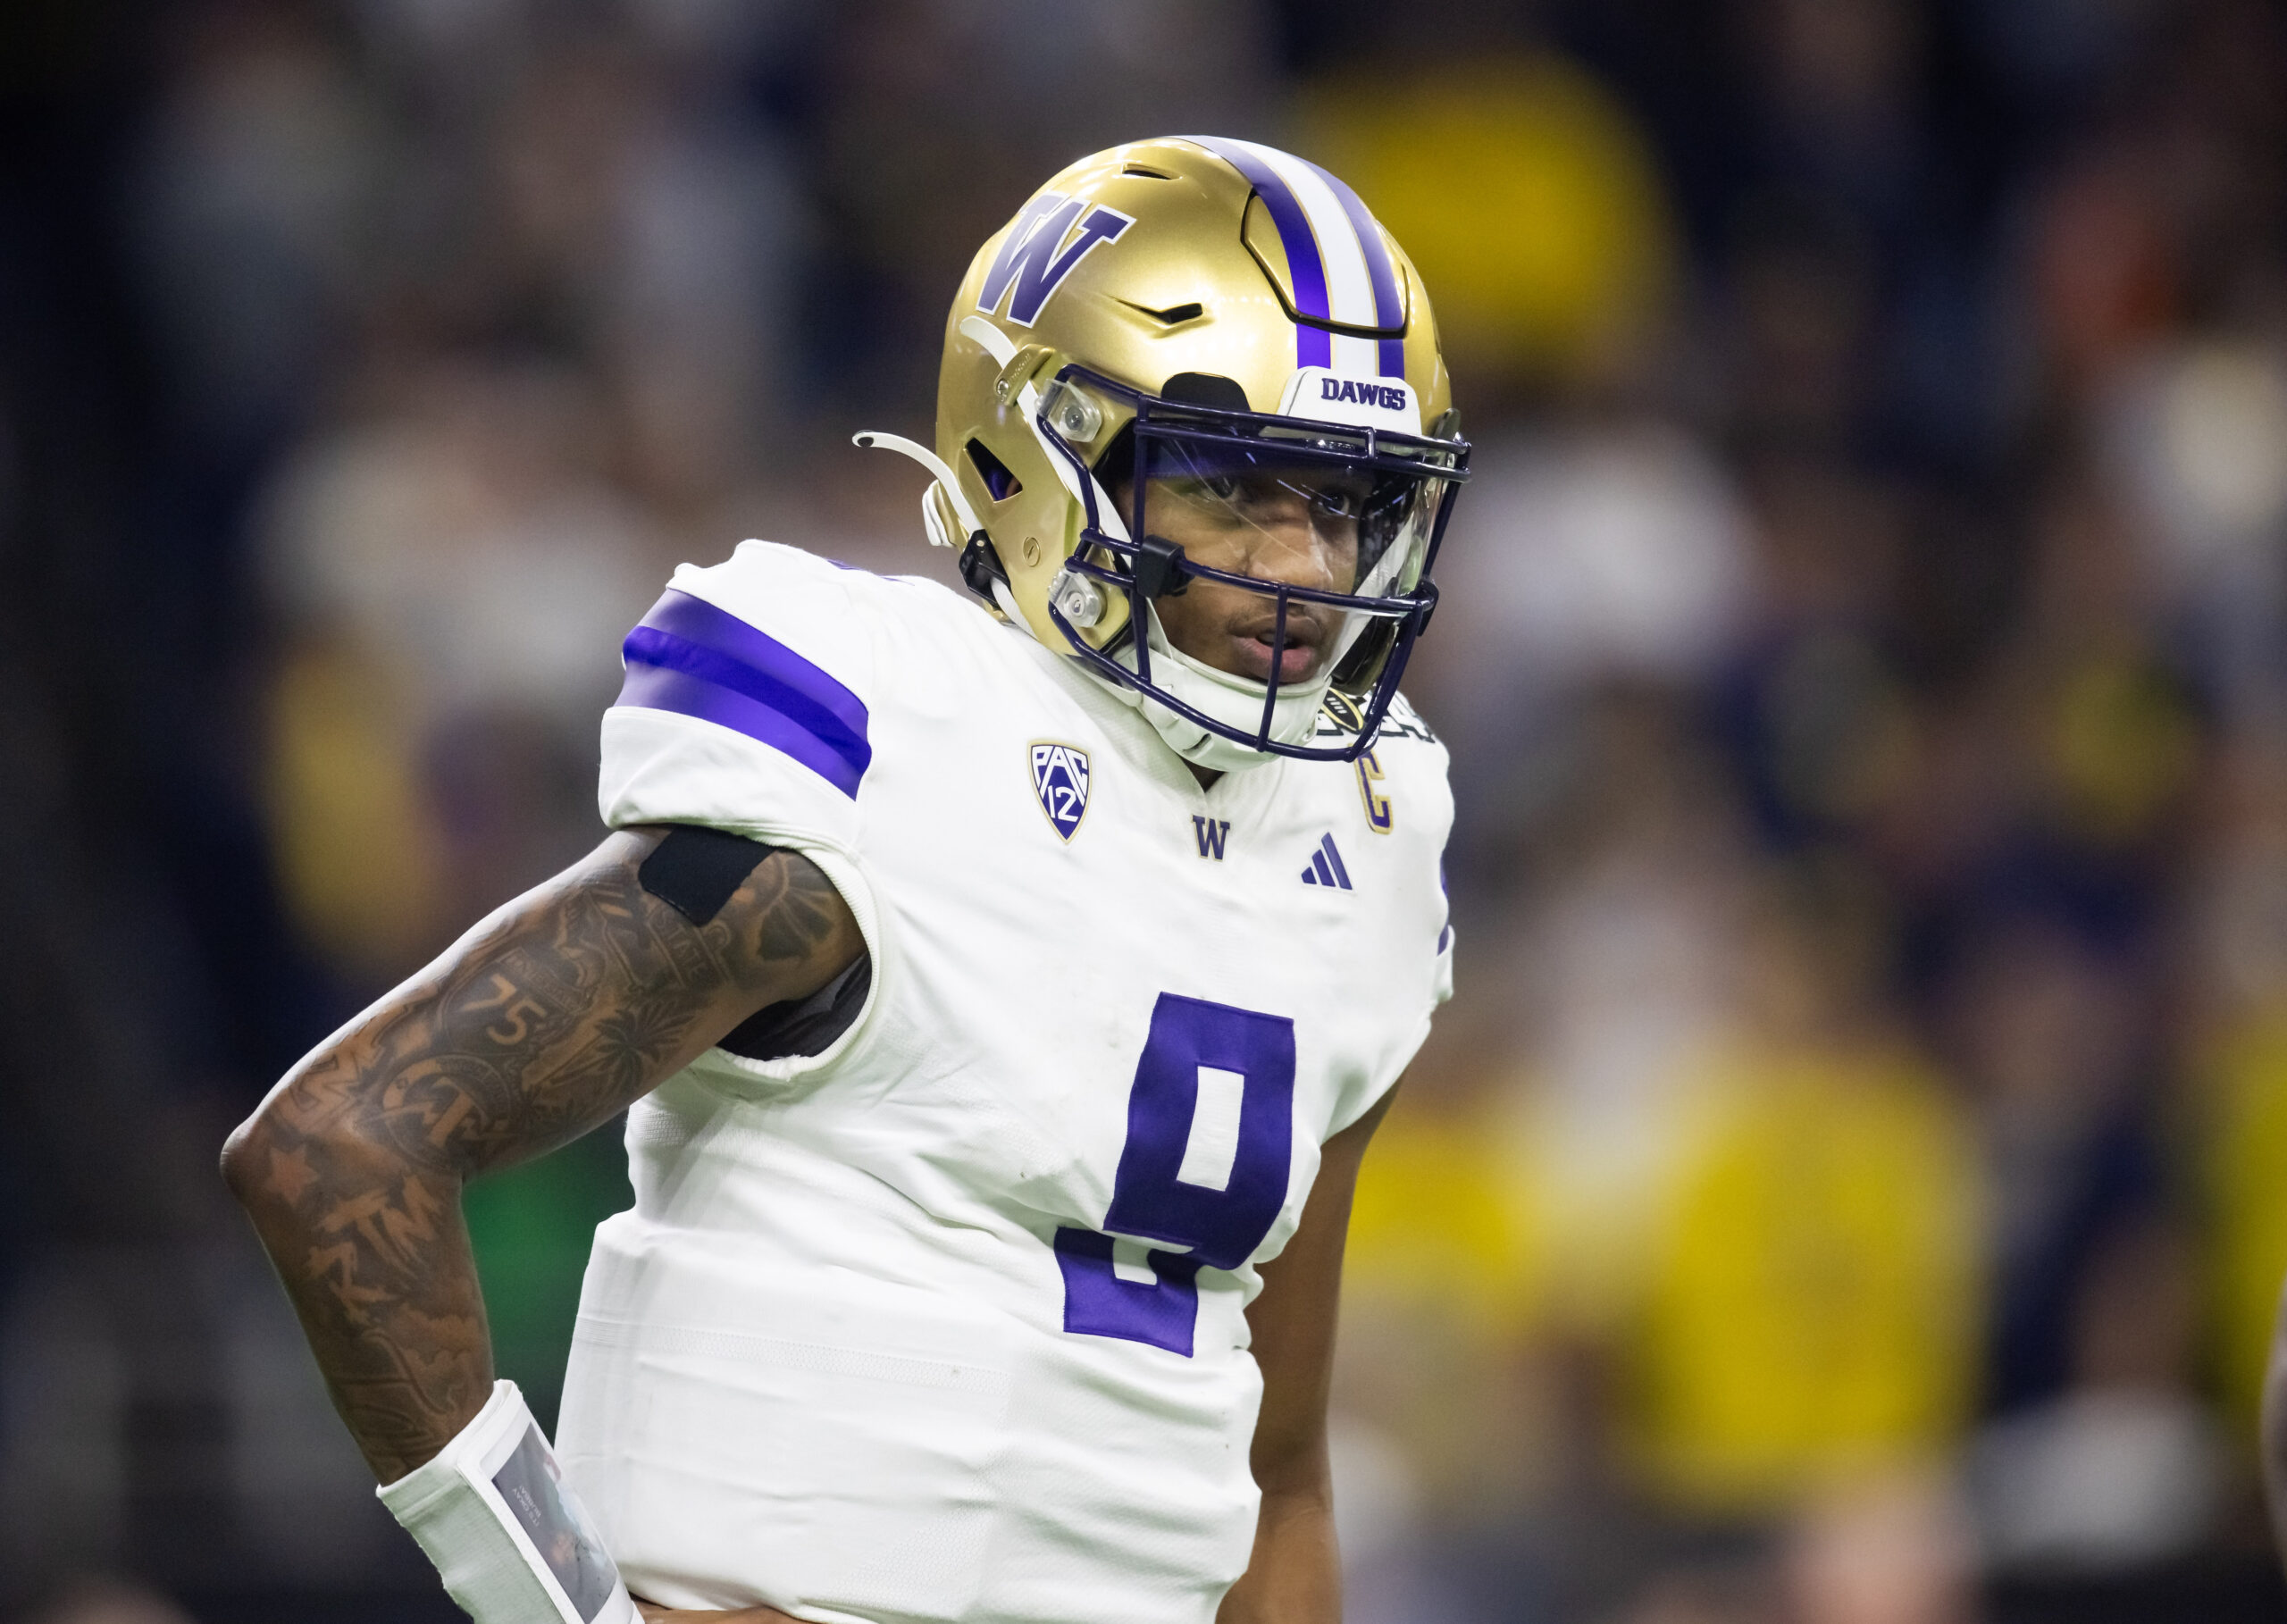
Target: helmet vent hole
x: 999, y: 481
x: 1148, y: 174
x: 1174, y: 315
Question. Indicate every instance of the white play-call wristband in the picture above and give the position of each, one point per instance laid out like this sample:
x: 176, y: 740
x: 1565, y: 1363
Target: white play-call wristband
x: 511, y: 1541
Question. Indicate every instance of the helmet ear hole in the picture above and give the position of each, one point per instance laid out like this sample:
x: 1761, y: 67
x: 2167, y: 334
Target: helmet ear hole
x: 999, y: 483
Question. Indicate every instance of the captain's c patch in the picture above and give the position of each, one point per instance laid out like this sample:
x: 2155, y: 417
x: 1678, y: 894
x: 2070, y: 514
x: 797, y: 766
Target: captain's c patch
x: 1061, y: 782
x: 1379, y: 817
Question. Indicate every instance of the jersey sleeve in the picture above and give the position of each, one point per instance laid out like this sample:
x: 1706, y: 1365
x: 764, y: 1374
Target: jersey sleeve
x: 1442, y: 981
x: 750, y: 693
x: 747, y: 701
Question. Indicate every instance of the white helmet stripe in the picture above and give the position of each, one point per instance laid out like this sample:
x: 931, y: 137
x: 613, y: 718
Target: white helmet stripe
x: 1354, y: 356
x: 1390, y: 301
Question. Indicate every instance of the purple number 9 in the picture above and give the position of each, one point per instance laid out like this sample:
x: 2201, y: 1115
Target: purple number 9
x: 1211, y: 1130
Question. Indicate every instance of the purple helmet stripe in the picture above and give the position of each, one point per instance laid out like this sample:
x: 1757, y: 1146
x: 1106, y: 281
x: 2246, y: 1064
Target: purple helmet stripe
x: 1389, y: 313
x: 1313, y: 346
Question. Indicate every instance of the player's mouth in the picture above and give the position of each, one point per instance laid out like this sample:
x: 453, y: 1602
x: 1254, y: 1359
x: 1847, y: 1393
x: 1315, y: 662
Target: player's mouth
x: 1258, y: 648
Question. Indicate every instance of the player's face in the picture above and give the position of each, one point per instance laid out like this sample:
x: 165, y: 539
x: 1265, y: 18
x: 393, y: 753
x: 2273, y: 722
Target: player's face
x: 1293, y: 525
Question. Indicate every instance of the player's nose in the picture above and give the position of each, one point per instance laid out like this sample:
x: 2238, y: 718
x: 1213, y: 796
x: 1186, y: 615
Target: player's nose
x: 1299, y: 554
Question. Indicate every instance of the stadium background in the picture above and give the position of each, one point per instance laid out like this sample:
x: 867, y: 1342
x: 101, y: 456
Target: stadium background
x: 1850, y: 1186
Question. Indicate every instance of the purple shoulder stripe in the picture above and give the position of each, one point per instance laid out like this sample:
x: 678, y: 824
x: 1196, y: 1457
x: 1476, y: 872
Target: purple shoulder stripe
x: 689, y: 656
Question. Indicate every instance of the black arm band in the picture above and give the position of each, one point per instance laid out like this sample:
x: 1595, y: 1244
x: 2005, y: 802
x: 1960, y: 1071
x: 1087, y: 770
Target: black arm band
x: 696, y: 870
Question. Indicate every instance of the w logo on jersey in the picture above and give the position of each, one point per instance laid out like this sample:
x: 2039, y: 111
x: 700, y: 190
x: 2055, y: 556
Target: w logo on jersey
x: 1028, y: 261
x: 1060, y: 780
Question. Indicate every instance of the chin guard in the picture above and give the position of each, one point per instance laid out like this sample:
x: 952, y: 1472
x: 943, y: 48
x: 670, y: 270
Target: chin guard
x: 512, y: 1544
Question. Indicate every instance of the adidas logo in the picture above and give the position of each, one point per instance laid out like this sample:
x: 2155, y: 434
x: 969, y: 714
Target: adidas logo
x: 1326, y: 867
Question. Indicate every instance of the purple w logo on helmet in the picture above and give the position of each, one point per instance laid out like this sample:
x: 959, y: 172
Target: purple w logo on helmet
x: 1028, y: 257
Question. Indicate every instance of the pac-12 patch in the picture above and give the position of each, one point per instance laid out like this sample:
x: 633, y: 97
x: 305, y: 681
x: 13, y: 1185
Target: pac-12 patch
x: 1060, y: 780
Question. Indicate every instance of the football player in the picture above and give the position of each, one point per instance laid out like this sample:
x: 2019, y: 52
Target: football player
x: 1000, y: 988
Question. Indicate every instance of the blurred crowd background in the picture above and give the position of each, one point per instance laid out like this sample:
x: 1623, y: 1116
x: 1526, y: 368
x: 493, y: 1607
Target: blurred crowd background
x: 1850, y: 1185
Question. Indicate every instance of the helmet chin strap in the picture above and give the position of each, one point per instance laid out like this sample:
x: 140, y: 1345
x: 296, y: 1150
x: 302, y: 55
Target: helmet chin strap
x: 1235, y: 701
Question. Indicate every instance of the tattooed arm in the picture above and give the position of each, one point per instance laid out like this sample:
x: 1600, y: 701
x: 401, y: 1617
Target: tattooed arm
x: 550, y: 1018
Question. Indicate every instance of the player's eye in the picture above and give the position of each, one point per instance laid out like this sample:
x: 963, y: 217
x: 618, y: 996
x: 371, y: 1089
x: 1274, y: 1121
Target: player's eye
x: 1339, y: 501
x: 1203, y: 491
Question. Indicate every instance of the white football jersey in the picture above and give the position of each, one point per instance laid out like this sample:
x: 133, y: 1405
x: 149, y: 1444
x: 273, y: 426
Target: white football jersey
x: 945, y: 1322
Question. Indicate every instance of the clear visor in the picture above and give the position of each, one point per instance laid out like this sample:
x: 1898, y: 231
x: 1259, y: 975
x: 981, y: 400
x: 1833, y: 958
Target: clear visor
x: 1276, y: 517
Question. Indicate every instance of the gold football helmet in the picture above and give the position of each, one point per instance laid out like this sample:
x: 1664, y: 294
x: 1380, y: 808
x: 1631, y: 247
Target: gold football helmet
x: 1181, y: 355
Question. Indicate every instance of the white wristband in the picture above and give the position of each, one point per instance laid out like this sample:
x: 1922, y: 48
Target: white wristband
x: 513, y: 1543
